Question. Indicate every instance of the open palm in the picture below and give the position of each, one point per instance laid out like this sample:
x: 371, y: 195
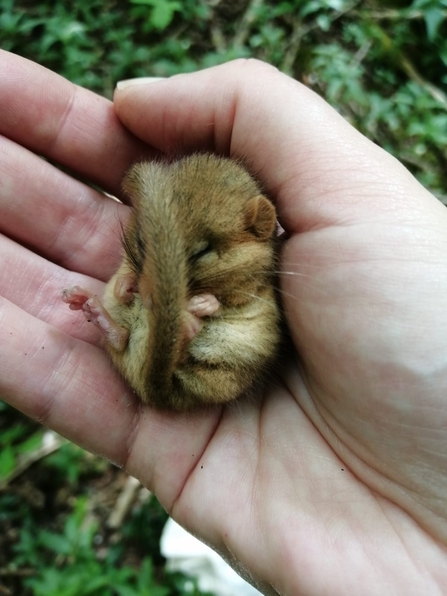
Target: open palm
x: 334, y: 480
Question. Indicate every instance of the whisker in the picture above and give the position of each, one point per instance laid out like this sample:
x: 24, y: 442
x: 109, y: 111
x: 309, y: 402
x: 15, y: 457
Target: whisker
x: 255, y: 296
x: 294, y: 273
x: 288, y: 295
x: 282, y: 293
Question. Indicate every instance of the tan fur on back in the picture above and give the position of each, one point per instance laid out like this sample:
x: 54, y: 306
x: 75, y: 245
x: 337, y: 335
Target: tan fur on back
x: 199, y: 226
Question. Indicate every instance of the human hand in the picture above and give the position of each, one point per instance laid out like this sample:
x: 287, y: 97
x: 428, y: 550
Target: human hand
x: 334, y: 481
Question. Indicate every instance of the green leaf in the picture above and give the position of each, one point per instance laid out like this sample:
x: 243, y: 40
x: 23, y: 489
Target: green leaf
x: 146, y: 585
x: 163, y: 13
x: 433, y: 19
x: 32, y: 443
x: 337, y: 5
x: 10, y: 435
x: 55, y: 542
x: 7, y: 461
x: 324, y: 22
x: 310, y: 7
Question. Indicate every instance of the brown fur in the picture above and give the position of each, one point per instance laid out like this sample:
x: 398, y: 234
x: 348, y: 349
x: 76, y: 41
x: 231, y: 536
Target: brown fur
x: 199, y: 226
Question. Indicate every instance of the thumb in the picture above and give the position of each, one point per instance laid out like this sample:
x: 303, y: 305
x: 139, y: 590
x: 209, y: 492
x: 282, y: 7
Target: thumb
x: 296, y: 144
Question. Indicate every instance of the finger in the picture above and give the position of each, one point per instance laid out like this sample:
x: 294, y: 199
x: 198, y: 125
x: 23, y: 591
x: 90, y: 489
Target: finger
x: 35, y: 285
x: 63, y: 383
x: 75, y: 127
x: 71, y: 387
x: 63, y: 219
x: 320, y: 169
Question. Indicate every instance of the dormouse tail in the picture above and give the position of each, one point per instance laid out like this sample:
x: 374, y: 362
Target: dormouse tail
x: 164, y: 276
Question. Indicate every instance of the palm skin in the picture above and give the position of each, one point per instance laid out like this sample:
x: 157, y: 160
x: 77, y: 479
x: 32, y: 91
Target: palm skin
x: 334, y: 480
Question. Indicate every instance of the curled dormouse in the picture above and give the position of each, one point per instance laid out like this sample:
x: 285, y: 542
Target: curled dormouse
x: 191, y: 316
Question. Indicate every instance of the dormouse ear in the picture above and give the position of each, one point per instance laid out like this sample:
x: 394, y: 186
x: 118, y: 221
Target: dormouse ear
x: 260, y: 217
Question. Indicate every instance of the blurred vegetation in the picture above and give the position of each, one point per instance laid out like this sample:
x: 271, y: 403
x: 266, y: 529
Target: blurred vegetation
x: 57, y: 503
x: 381, y: 65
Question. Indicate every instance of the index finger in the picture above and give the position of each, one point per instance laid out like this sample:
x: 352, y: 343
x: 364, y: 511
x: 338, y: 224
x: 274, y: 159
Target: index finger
x: 65, y: 123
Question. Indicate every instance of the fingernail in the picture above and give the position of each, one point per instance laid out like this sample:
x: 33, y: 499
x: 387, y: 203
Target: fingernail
x: 140, y: 81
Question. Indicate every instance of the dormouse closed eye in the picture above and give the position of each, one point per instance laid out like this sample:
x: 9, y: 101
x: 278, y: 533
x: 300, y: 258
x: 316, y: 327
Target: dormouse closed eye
x: 201, y: 250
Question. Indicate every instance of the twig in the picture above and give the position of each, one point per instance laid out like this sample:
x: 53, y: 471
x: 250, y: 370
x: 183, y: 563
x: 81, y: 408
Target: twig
x: 27, y: 460
x: 294, y: 45
x: 412, y: 160
x: 413, y: 74
x: 404, y: 63
x: 247, y: 20
x: 218, y: 39
x: 123, y: 503
x: 20, y: 572
x: 361, y: 53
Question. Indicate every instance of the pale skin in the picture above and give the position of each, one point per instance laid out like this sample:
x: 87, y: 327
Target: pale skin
x: 333, y: 481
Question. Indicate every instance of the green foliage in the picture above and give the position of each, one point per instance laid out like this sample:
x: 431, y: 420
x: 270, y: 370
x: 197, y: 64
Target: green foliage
x: 433, y: 13
x: 76, y: 569
x: 15, y: 443
x: 381, y: 64
x: 69, y: 462
x: 159, y: 17
x: 55, y: 540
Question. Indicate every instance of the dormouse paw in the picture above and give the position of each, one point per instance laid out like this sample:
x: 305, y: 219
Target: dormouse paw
x: 75, y: 297
x: 203, y: 305
x: 191, y: 325
x: 79, y: 298
x: 198, y: 307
